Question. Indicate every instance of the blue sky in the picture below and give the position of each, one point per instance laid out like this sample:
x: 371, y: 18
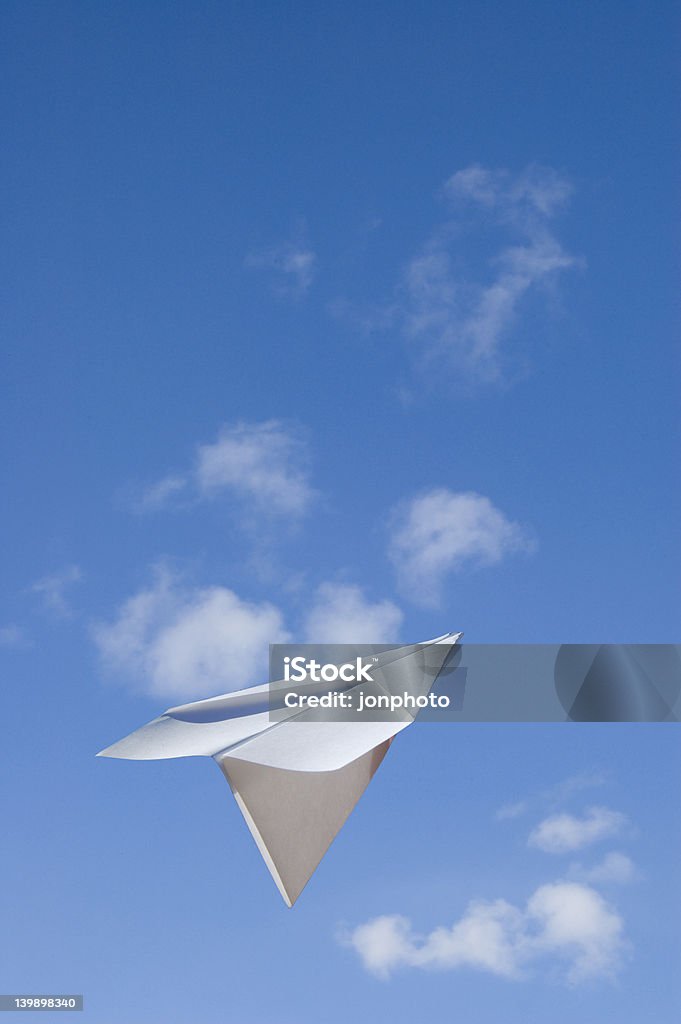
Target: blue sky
x: 334, y: 318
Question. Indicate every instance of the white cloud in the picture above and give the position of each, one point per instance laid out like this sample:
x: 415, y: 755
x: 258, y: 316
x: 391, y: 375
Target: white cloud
x: 442, y: 531
x: 459, y: 316
x: 565, y: 924
x: 52, y: 590
x: 383, y: 943
x: 574, y: 920
x: 615, y: 869
x: 263, y: 462
x: 293, y: 264
x: 185, y: 643
x: 562, y: 833
x: 264, y: 465
x: 342, y: 614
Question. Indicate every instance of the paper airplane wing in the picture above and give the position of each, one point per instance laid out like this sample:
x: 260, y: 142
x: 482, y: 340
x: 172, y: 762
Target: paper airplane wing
x: 295, y: 780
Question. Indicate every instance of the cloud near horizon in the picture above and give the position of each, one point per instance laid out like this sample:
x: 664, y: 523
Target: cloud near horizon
x: 565, y: 924
x: 441, y: 532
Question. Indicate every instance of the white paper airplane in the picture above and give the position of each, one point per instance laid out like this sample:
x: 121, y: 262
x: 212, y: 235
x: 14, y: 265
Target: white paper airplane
x: 296, y: 775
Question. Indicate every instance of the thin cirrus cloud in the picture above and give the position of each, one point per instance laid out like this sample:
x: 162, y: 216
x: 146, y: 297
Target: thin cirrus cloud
x: 12, y: 635
x: 160, y: 494
x: 292, y: 266
x: 458, y: 312
x: 565, y: 926
x: 53, y: 590
x: 184, y: 642
x: 614, y: 869
x: 565, y: 833
x: 443, y: 531
x: 553, y: 795
x: 264, y: 465
x: 577, y: 783
x: 510, y: 811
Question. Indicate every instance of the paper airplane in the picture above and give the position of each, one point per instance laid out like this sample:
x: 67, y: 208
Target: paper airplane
x: 296, y: 774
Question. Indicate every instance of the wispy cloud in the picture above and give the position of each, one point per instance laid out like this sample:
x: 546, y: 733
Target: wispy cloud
x: 53, y: 590
x: 292, y: 265
x: 566, y: 926
x: 564, y: 833
x: 615, y: 869
x: 553, y: 795
x: 159, y: 494
x: 341, y: 613
x: 461, y: 296
x: 523, y: 200
x: 508, y: 812
x: 12, y: 635
x: 184, y: 642
x: 263, y: 465
x: 576, y: 783
x: 443, y: 531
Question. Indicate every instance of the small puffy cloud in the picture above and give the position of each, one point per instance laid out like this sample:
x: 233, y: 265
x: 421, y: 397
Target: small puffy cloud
x: 576, y: 922
x: 262, y: 462
x: 563, y: 833
x: 263, y: 465
x: 486, y: 938
x: 293, y: 265
x: 53, y: 590
x: 383, y: 943
x: 184, y: 643
x: 615, y: 869
x: 566, y: 925
x: 443, y: 531
x: 341, y: 614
